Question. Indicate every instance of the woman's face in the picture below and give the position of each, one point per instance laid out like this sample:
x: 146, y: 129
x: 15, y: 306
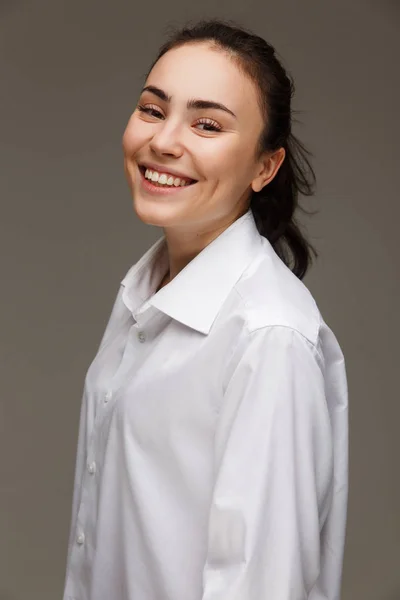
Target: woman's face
x: 210, y: 145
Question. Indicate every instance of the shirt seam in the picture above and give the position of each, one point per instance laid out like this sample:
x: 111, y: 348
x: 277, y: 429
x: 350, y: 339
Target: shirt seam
x: 313, y: 346
x: 318, y: 328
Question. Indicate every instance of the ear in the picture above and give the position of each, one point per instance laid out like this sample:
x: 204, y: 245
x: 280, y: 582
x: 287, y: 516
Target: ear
x: 270, y: 164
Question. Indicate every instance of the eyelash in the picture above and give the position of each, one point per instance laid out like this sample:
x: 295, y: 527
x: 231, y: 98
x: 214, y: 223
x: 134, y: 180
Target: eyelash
x: 213, y: 124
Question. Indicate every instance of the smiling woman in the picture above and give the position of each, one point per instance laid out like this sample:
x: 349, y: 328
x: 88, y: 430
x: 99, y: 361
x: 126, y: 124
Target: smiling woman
x: 212, y: 451
x: 213, y: 105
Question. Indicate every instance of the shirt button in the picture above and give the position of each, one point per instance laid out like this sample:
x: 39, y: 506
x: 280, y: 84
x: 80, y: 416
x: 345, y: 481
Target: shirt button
x: 80, y: 538
x: 108, y: 396
x: 141, y: 336
x: 92, y: 468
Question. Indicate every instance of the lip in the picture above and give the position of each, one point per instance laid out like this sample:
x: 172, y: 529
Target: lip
x: 165, y: 169
x: 158, y: 190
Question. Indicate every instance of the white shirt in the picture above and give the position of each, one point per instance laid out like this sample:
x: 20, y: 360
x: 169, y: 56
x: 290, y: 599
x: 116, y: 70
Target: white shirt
x: 212, y: 459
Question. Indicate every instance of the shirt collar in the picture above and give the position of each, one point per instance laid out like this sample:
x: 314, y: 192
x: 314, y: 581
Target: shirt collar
x: 197, y: 293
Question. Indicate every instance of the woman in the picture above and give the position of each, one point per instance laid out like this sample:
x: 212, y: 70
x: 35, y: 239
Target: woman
x: 212, y: 451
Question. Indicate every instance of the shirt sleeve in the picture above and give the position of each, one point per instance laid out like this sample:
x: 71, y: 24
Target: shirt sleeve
x: 277, y: 516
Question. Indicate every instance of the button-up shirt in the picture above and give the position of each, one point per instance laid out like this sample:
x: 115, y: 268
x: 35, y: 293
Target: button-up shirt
x: 212, y: 457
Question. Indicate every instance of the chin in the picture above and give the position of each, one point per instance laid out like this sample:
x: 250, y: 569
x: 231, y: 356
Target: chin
x: 152, y: 213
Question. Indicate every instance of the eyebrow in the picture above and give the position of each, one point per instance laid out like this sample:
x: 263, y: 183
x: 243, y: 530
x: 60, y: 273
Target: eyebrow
x: 193, y: 104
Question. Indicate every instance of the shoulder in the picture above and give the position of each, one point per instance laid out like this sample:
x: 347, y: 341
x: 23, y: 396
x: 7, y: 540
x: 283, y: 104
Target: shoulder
x: 275, y: 314
x: 272, y: 296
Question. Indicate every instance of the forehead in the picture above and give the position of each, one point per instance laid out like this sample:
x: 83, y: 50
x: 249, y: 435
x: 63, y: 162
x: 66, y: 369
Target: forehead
x: 199, y: 71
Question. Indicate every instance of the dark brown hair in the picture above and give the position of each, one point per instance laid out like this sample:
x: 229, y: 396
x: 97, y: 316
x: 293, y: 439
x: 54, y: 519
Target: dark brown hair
x: 273, y: 207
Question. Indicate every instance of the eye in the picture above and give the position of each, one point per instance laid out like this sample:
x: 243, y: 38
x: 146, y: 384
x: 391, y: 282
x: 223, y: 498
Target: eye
x: 148, y: 109
x: 212, y: 125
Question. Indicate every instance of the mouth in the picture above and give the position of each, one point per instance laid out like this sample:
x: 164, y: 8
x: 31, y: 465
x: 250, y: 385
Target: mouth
x: 143, y: 170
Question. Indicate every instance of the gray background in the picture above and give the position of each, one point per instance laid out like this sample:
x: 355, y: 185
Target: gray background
x: 70, y: 73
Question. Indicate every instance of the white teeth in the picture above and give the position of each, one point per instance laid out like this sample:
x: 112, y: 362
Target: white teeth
x: 164, y: 179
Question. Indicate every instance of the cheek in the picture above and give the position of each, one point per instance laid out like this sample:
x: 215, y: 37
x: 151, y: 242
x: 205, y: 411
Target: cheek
x: 227, y: 166
x: 132, y: 137
x: 129, y: 140
x: 226, y: 155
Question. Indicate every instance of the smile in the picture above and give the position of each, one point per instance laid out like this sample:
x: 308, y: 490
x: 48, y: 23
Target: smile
x: 155, y: 188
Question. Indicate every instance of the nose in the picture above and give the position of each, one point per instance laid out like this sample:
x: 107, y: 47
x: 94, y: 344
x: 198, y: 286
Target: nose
x: 167, y: 140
